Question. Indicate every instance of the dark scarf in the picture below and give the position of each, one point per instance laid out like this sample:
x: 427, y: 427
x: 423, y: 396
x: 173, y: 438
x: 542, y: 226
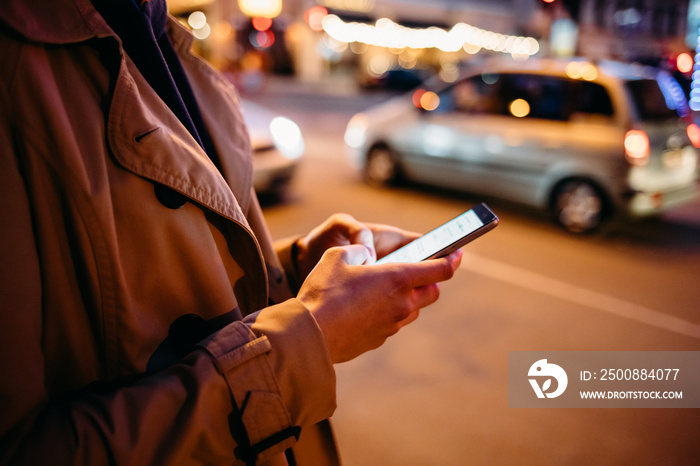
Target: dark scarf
x: 141, y: 28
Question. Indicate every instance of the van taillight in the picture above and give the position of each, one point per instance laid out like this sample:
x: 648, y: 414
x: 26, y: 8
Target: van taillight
x: 694, y: 134
x: 637, y: 147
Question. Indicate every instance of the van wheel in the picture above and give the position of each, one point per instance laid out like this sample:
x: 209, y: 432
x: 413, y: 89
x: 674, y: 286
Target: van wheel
x: 578, y: 206
x: 381, y: 168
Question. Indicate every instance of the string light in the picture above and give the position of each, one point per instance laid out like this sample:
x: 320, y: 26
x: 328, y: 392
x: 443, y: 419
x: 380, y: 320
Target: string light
x: 386, y: 33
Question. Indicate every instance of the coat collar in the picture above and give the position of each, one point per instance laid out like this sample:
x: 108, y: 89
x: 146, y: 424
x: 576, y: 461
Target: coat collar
x: 54, y: 21
x: 140, y: 141
x: 130, y: 120
x: 143, y: 135
x: 68, y: 21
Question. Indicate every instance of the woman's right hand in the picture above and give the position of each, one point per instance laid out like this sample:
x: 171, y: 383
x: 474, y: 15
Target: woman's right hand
x: 359, y: 306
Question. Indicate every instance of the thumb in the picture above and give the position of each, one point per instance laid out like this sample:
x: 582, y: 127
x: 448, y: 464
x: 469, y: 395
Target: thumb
x: 356, y: 254
x: 365, y: 238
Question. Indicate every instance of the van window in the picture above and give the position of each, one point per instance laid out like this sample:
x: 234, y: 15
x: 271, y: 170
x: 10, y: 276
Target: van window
x: 650, y: 101
x: 591, y: 99
x: 526, y: 96
x: 533, y: 96
x: 554, y: 98
x: 472, y: 95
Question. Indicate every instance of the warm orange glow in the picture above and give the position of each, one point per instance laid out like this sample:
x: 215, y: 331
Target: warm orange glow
x: 694, y: 134
x: 581, y: 70
x: 261, y: 24
x: 265, y: 8
x: 314, y: 17
x: 222, y: 31
x: 519, y: 108
x: 386, y: 33
x: 589, y: 72
x: 416, y: 97
x: 251, y: 61
x: 637, y: 147
x: 429, y: 101
x: 684, y: 62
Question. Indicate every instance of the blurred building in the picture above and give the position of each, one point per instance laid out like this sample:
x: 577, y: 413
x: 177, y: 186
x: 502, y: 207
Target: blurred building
x: 397, y: 42
x: 249, y: 39
x: 497, y: 15
x: 374, y: 39
x: 632, y: 30
x: 656, y: 32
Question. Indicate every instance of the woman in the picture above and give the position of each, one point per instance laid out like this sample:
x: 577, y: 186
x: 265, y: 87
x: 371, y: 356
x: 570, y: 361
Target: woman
x: 146, y: 314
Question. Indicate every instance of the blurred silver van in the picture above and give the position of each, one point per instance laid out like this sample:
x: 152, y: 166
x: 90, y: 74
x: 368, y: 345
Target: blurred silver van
x: 583, y: 140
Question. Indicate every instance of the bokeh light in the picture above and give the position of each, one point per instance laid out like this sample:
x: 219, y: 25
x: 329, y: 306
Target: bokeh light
x: 519, y: 108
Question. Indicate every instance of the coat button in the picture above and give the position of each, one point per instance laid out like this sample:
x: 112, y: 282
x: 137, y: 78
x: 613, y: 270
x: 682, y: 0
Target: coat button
x: 169, y: 197
x: 186, y: 331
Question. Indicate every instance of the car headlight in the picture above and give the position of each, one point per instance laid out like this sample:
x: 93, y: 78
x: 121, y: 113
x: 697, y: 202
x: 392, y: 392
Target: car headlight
x: 287, y: 137
x: 356, y: 131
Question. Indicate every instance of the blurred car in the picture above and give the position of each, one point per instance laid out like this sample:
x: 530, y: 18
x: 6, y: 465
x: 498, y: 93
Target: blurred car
x: 582, y: 140
x: 395, y: 79
x: 278, y: 147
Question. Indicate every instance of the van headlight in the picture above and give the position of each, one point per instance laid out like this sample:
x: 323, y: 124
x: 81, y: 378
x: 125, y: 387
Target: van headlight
x: 287, y: 137
x: 356, y: 131
x: 637, y: 147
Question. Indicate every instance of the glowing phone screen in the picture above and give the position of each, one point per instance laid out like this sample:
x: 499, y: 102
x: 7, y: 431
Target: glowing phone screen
x: 435, y: 240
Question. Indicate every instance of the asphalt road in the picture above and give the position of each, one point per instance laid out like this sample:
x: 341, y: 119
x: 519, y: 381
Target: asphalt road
x: 437, y: 392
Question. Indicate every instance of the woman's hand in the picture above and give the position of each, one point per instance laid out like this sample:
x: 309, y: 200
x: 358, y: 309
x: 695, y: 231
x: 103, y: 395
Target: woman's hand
x: 344, y: 230
x: 358, y: 306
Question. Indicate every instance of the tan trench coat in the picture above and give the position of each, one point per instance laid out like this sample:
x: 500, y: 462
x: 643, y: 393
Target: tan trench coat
x: 95, y: 269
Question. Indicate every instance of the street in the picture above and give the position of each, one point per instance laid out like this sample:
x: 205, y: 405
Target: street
x: 436, y: 393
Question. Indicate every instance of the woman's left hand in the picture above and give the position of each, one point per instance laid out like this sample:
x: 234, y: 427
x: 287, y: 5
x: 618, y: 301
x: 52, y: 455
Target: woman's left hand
x: 344, y: 230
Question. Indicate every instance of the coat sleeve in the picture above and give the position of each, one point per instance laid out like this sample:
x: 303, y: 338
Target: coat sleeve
x: 284, y: 322
x: 243, y: 390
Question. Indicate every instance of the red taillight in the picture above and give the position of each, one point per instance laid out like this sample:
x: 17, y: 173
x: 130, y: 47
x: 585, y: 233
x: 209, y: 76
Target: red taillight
x: 637, y: 147
x: 694, y: 134
x: 417, y: 96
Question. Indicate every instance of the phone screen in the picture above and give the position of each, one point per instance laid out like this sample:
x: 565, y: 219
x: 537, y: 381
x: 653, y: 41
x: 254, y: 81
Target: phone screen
x: 447, y: 238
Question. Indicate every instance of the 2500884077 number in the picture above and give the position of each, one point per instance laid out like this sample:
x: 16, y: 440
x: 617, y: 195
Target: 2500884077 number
x: 639, y: 374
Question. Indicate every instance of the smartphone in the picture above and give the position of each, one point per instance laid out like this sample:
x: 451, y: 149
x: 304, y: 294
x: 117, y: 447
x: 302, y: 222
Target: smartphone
x: 446, y: 238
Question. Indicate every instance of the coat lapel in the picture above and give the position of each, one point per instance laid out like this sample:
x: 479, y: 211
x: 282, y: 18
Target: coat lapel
x: 146, y: 138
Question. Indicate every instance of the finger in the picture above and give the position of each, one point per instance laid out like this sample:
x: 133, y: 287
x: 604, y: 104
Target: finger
x: 455, y: 258
x: 354, y: 232
x: 426, y: 295
x: 422, y: 297
x: 355, y: 254
x: 388, y: 238
x: 365, y: 237
x: 415, y: 275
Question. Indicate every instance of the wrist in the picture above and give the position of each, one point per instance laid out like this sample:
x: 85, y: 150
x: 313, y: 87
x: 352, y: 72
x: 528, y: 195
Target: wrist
x: 299, y: 257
